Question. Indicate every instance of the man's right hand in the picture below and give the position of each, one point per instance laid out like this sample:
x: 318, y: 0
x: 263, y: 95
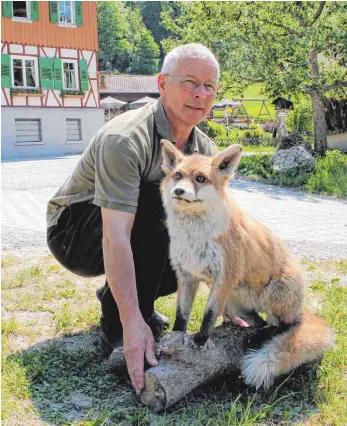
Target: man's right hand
x: 138, y: 344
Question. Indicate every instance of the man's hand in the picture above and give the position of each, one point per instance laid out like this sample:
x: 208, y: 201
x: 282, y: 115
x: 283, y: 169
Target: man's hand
x: 138, y: 344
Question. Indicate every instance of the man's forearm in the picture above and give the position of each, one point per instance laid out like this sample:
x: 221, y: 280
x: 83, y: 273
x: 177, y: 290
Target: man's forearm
x: 120, y: 274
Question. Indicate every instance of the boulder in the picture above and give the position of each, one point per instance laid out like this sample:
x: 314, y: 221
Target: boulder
x: 293, y: 160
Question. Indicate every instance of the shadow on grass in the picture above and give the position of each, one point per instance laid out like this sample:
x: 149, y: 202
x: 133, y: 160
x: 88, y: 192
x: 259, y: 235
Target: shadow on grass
x: 69, y: 383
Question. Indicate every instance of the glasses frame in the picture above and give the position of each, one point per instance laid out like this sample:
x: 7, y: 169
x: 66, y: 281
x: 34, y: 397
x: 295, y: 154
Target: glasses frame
x: 197, y: 84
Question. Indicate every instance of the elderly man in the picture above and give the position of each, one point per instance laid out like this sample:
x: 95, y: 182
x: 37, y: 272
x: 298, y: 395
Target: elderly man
x: 108, y: 216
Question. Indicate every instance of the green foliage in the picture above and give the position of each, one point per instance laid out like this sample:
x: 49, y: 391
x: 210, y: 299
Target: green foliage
x: 330, y: 175
x: 114, y: 49
x: 276, y: 43
x: 300, y: 120
x: 144, y: 55
x: 256, y: 167
x: 213, y: 130
x: 125, y: 44
x: 28, y: 91
x: 72, y: 92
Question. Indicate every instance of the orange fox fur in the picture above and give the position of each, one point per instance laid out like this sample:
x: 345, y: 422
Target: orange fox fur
x: 246, y: 266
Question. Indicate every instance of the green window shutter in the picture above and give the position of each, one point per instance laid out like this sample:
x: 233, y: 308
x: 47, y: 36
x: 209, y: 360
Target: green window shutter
x: 58, y: 74
x: 53, y: 11
x: 7, y: 9
x: 79, y: 13
x: 46, y: 74
x: 84, y: 74
x: 6, y: 70
x: 34, y: 6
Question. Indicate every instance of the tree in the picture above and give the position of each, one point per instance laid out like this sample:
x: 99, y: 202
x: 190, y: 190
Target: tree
x: 290, y: 47
x: 114, y: 49
x: 144, y: 55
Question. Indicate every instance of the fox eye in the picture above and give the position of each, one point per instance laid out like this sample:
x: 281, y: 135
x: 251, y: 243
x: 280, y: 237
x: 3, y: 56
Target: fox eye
x: 178, y: 175
x: 200, y: 179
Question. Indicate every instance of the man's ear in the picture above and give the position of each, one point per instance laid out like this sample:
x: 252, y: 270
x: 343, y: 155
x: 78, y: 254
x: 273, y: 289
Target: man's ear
x: 171, y: 156
x: 225, y: 162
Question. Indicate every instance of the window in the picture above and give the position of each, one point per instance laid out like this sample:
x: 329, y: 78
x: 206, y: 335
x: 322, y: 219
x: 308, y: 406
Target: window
x: 69, y: 75
x: 21, y: 9
x: 66, y: 12
x: 28, y: 131
x: 73, y: 130
x: 24, y: 72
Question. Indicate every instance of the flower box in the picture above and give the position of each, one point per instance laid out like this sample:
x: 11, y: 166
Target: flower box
x: 73, y: 96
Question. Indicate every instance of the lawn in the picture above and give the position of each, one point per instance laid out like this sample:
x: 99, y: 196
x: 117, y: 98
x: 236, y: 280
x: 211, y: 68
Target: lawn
x: 53, y: 371
x: 252, y: 107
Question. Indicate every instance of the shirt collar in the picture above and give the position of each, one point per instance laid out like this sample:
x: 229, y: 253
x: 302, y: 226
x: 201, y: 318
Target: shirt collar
x: 164, y: 131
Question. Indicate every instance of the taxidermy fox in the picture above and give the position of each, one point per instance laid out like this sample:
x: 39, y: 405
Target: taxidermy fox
x: 246, y: 266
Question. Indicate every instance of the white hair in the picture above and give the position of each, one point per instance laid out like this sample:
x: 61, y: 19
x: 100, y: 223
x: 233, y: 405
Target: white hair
x: 192, y: 50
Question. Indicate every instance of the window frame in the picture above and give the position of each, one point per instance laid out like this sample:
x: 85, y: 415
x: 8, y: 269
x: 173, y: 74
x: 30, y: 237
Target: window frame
x: 76, y: 70
x: 36, y: 66
x: 73, y: 17
x: 28, y: 143
x: 21, y: 19
x: 74, y: 141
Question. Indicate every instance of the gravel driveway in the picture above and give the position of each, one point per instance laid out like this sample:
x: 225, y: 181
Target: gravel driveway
x: 312, y: 226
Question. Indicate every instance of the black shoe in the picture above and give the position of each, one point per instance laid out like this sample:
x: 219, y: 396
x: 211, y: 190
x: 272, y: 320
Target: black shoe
x: 158, y: 323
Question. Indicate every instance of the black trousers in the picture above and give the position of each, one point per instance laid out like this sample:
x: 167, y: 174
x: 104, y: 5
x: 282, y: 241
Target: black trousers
x: 76, y: 242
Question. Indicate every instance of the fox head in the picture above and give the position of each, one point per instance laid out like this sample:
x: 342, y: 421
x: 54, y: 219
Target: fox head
x: 196, y: 183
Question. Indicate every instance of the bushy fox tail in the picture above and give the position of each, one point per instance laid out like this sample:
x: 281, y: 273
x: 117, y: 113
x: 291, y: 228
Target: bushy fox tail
x: 302, y: 344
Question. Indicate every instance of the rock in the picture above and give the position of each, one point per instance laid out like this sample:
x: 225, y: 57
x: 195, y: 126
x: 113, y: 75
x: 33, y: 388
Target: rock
x: 294, y: 139
x: 293, y: 160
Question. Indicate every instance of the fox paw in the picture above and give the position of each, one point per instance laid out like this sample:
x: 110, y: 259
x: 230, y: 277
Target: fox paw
x: 201, y: 341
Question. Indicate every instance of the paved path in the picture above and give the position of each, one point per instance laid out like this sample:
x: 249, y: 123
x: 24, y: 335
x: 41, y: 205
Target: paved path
x: 312, y: 226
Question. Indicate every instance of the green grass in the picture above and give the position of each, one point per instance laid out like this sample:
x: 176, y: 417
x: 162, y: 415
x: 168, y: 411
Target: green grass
x: 253, y: 107
x: 57, y: 376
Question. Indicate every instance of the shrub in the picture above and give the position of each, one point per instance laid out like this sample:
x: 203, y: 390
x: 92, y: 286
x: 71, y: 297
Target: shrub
x: 213, y: 130
x: 301, y: 119
x: 330, y: 175
x: 257, y: 167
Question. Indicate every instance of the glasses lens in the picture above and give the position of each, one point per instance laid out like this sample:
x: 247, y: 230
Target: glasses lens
x: 210, y: 89
x: 188, y: 85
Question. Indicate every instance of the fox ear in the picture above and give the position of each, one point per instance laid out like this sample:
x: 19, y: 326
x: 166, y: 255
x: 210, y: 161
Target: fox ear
x: 171, y: 156
x: 226, y: 161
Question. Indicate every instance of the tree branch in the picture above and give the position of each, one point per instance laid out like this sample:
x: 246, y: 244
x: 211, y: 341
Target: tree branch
x: 289, y: 30
x: 336, y: 85
x: 318, y: 13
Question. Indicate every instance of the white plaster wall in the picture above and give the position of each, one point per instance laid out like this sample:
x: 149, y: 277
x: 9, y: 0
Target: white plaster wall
x: 19, y: 101
x: 69, y: 53
x: 50, y: 51
x: 34, y: 101
x: 16, y: 48
x: 53, y: 130
x: 31, y: 50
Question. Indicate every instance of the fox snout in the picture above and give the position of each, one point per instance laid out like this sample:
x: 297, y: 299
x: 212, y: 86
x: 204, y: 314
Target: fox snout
x: 179, y: 191
x: 183, y: 192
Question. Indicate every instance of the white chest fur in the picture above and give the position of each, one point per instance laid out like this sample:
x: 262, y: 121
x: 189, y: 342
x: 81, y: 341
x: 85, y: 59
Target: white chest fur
x: 193, y: 243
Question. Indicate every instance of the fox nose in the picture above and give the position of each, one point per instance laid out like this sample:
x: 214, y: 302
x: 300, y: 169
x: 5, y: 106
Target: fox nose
x: 179, y: 191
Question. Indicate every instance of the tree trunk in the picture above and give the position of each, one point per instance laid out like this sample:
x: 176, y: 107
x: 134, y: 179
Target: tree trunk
x: 183, y: 366
x: 320, y: 127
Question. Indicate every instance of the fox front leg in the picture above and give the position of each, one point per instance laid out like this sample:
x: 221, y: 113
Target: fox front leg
x: 187, y: 287
x: 214, y: 307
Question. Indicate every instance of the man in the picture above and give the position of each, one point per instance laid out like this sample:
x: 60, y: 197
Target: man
x: 108, y: 216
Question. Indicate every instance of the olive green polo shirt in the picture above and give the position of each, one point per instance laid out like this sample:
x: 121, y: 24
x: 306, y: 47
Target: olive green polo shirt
x: 124, y: 152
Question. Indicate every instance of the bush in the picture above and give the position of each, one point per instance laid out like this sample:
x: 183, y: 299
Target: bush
x: 330, y: 175
x: 301, y: 119
x: 213, y: 130
x: 254, y: 134
x: 256, y: 167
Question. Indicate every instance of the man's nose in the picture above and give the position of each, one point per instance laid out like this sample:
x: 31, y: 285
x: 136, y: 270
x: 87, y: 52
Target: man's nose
x: 200, y: 91
x: 179, y: 191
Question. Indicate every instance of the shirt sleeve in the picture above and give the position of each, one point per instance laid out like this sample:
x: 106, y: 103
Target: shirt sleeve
x: 118, y: 170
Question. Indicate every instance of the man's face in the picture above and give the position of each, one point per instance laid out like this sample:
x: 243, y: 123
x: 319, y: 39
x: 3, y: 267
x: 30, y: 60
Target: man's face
x: 184, y: 107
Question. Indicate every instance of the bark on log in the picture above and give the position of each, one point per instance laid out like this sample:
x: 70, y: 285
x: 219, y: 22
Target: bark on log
x: 183, y: 366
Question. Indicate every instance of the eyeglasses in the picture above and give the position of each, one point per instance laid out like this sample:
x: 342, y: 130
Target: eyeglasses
x: 190, y: 85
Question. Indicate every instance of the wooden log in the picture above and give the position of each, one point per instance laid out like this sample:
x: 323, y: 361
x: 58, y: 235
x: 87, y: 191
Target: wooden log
x: 183, y: 366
